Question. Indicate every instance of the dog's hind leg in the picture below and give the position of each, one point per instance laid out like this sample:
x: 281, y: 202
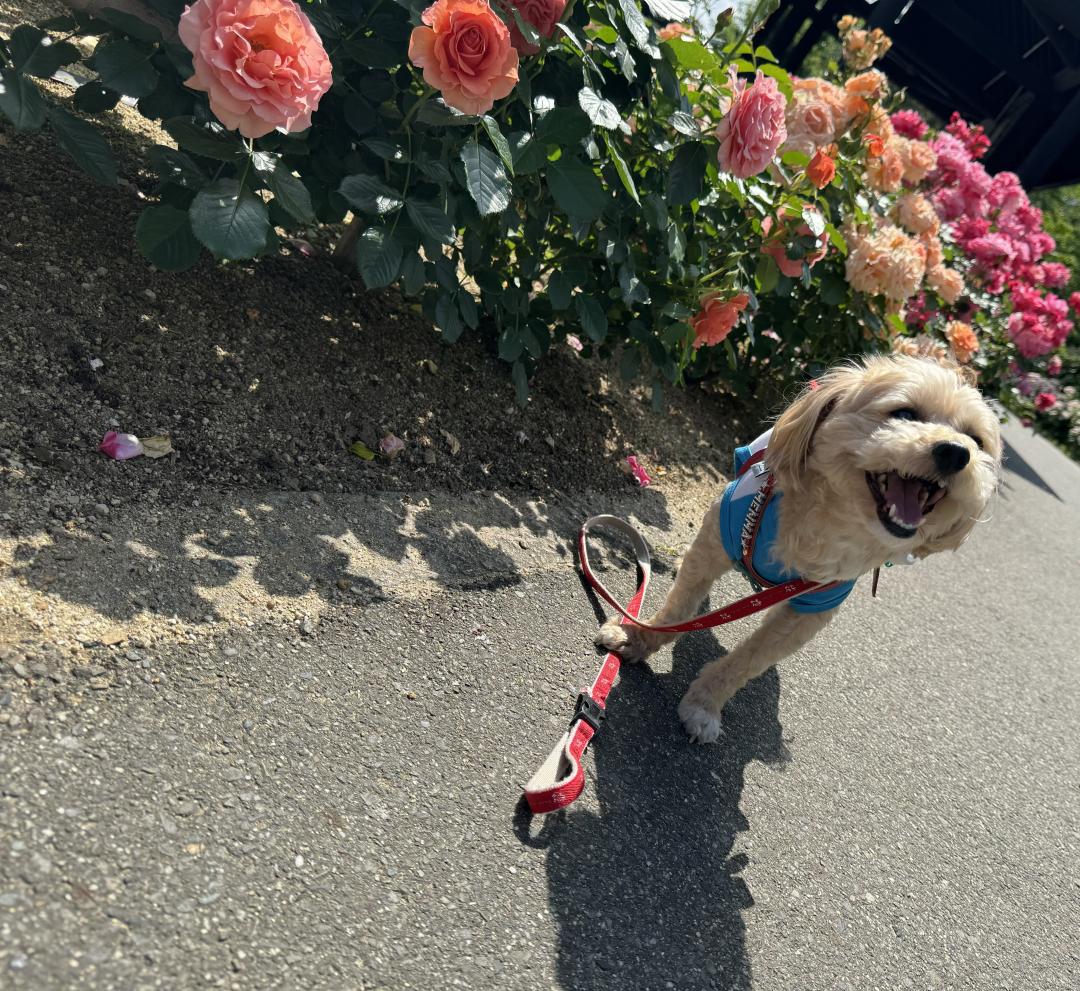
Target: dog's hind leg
x: 703, y: 563
x: 782, y: 633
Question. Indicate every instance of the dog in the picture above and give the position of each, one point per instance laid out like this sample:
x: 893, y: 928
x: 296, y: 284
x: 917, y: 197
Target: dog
x: 879, y: 459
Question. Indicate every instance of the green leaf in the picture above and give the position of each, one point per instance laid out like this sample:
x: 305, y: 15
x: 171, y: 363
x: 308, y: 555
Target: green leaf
x: 601, y: 112
x: 93, y: 98
x: 485, y: 178
x: 692, y: 55
x: 173, y: 166
x: 361, y: 450
x: 521, y: 383
x: 622, y: 169
x: 359, y: 114
x: 639, y: 30
x: 36, y: 54
x: 125, y: 68
x: 448, y: 318
x: 834, y: 290
x: 562, y: 126
x: 529, y: 152
x: 390, y: 151
x: 593, y: 319
x: 413, y: 275
x: 814, y: 220
x: 291, y: 194
x: 129, y: 24
x: 470, y: 313
x: 685, y: 124
x: 559, y: 289
x: 232, y: 222
x: 165, y: 238
x: 783, y: 80
x: 370, y: 195
x: 497, y: 139
x: 766, y: 274
x: 84, y: 143
x: 438, y: 113
x: 576, y: 189
x: 671, y: 10
x: 763, y: 53
x: 431, y: 221
x: 169, y: 99
x: 378, y: 256
x: 510, y: 344
x: 687, y: 175
x: 374, y: 54
x: 210, y: 142
x: 21, y: 101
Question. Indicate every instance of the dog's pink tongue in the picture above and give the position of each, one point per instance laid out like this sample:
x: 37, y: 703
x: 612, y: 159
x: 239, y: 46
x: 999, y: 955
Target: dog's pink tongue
x: 903, y: 493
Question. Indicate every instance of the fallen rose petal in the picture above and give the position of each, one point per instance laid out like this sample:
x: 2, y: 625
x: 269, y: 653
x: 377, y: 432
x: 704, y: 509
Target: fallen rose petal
x: 391, y: 446
x: 640, y: 475
x: 306, y: 248
x: 120, y: 446
x: 157, y: 446
x: 574, y: 341
x: 95, y: 364
x: 361, y: 450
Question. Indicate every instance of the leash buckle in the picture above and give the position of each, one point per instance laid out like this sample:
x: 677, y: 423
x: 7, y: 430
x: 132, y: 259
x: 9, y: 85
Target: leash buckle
x: 588, y: 710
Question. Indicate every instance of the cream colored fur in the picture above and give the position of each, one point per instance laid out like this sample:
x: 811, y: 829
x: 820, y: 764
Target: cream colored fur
x: 828, y: 525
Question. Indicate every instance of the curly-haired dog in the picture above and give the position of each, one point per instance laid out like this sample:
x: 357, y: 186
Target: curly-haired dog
x: 883, y: 458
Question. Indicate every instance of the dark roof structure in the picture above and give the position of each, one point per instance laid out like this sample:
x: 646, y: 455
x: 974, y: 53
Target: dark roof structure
x: 1011, y: 65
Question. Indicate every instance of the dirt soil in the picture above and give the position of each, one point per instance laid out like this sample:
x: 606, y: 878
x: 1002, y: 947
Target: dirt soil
x: 263, y: 375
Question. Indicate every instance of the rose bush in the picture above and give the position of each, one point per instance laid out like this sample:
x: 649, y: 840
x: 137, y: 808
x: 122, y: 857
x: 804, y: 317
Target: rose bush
x: 622, y: 178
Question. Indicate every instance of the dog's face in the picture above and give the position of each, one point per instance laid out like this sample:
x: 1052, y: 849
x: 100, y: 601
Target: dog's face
x: 900, y: 444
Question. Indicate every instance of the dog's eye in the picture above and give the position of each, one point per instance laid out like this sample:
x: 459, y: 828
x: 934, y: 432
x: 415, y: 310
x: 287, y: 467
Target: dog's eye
x: 904, y: 413
x: 977, y: 439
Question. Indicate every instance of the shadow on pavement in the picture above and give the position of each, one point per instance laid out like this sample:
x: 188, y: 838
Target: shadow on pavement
x: 1014, y: 463
x: 647, y: 894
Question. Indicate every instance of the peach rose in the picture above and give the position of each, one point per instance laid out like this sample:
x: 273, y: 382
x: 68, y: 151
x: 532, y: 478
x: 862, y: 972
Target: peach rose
x: 464, y: 49
x: 776, y: 247
x: 962, y: 340
x: 934, y: 251
x: 753, y: 127
x: 260, y: 62
x: 918, y: 157
x: 885, y: 172
x: 717, y: 318
x: 541, y: 14
x: 673, y: 30
x: 917, y: 214
x: 885, y: 262
x: 821, y: 169
x: 946, y: 282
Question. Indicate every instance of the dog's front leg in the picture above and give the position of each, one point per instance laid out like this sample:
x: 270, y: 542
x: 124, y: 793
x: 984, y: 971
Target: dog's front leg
x: 702, y: 564
x: 783, y: 632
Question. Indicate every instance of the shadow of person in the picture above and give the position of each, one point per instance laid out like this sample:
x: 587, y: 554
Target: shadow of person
x: 647, y: 894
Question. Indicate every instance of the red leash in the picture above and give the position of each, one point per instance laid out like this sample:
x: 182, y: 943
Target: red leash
x: 561, y: 778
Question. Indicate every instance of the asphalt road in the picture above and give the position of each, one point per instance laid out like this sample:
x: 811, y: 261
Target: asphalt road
x: 897, y: 807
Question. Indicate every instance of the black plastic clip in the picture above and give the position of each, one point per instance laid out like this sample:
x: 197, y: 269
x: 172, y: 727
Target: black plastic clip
x: 589, y: 710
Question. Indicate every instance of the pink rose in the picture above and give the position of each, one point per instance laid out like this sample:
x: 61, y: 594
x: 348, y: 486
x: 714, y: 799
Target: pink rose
x: 1053, y: 366
x: 260, y: 62
x: 753, y: 127
x: 541, y: 14
x: 1055, y: 274
x: 1074, y: 302
x: 465, y: 53
x: 1045, y: 401
x: 909, y: 124
x: 717, y: 318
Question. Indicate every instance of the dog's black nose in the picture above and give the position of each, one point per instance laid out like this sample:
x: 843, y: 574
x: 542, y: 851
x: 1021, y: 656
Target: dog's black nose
x: 949, y: 458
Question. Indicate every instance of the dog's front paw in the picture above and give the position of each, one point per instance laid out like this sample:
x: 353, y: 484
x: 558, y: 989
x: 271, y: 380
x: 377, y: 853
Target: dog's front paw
x: 698, y: 717
x: 622, y: 639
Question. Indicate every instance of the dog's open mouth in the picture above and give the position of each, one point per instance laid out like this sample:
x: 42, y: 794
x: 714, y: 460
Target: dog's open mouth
x: 903, y: 500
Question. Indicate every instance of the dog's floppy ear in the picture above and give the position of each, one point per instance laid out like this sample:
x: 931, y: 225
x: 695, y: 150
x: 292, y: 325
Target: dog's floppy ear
x: 793, y: 433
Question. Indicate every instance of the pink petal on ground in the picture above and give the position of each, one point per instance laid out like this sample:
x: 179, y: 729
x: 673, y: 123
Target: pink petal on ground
x: 391, y: 446
x: 640, y: 475
x: 574, y: 341
x: 120, y: 446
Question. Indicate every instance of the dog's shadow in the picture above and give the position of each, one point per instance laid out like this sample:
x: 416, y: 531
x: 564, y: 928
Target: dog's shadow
x: 647, y: 895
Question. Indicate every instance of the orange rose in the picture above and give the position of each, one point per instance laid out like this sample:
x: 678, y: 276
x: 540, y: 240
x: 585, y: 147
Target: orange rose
x: 869, y: 85
x: 962, y: 340
x: 465, y: 53
x: 821, y: 169
x: 717, y: 318
x: 874, y: 145
x: 673, y: 30
x: 885, y: 172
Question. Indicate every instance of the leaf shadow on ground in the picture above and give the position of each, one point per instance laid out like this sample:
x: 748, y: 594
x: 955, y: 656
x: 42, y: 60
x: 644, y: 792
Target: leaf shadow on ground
x: 647, y: 894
